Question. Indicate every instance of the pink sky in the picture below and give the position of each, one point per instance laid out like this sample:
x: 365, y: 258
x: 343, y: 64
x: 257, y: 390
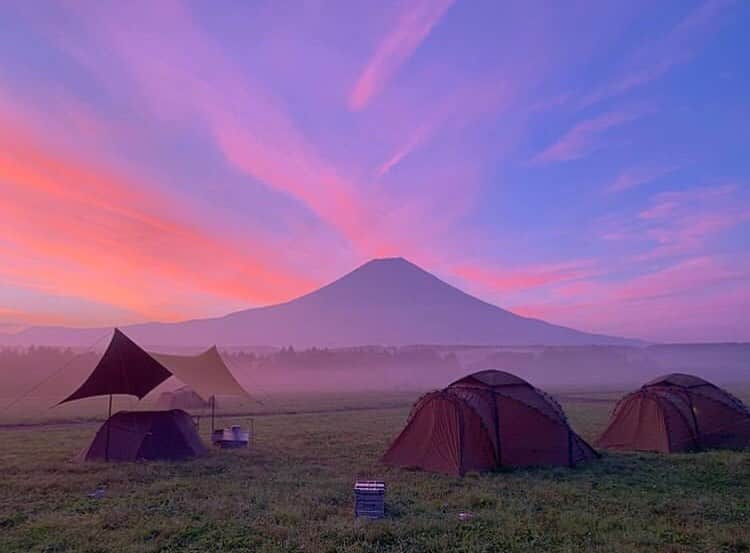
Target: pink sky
x: 584, y: 164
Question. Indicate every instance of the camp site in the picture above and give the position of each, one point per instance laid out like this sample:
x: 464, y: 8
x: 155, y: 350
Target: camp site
x: 374, y: 276
x: 133, y: 451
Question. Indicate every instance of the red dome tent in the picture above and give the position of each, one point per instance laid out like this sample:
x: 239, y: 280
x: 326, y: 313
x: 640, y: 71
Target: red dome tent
x: 677, y: 412
x: 486, y: 420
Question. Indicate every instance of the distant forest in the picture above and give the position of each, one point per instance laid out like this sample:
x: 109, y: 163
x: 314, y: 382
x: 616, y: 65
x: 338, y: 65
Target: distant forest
x: 351, y: 358
x: 50, y: 369
x: 618, y: 365
x: 23, y: 368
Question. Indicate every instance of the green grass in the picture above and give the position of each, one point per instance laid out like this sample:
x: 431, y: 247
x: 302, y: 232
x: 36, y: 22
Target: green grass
x: 292, y: 492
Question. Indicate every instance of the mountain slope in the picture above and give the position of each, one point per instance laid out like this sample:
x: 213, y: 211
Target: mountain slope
x: 385, y: 301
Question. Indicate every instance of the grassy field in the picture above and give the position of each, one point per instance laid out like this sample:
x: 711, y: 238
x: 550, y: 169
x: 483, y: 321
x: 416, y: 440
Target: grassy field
x: 292, y: 492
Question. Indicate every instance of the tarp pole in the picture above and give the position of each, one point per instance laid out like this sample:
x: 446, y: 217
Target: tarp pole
x: 698, y: 441
x: 109, y: 416
x: 213, y: 414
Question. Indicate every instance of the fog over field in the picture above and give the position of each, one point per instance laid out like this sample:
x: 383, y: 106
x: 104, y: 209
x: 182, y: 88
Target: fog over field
x: 50, y: 372
x: 288, y: 347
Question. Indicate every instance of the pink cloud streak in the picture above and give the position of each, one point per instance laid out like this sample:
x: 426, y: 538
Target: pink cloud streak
x: 454, y: 112
x: 256, y: 135
x: 654, y: 60
x: 517, y: 279
x: 637, y: 176
x: 581, y: 140
x: 414, y: 24
x: 680, y: 300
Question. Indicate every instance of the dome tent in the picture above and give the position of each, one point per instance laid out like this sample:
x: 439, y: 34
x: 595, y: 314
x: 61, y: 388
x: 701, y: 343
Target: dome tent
x: 677, y: 412
x: 181, y: 398
x: 145, y: 435
x: 483, y: 421
x: 127, y: 369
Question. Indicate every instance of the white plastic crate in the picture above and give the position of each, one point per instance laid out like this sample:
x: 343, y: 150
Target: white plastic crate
x: 369, y: 498
x: 233, y: 437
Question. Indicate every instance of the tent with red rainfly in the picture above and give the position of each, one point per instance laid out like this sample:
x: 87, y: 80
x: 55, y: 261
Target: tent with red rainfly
x: 677, y: 412
x: 127, y: 369
x: 484, y: 421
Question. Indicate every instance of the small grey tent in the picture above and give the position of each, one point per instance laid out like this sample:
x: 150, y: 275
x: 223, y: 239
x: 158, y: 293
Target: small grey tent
x: 182, y: 398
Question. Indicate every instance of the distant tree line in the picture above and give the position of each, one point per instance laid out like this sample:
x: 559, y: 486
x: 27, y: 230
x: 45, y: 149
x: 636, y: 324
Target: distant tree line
x: 352, y: 358
x: 22, y: 368
x: 619, y: 364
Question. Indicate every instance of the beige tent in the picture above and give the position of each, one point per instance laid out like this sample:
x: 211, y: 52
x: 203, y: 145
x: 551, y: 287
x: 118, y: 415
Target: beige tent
x: 205, y: 373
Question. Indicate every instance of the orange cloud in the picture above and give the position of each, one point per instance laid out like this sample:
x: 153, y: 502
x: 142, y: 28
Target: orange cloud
x: 71, y: 227
x: 14, y: 320
x: 249, y: 127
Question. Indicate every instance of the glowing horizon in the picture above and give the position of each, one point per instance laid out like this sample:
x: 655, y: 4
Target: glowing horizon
x: 581, y: 164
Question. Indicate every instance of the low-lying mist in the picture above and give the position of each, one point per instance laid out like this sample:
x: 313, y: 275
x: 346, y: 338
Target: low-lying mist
x: 50, y: 373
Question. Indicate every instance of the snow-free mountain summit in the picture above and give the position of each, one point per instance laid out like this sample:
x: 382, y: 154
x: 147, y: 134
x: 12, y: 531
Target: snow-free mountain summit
x: 385, y: 301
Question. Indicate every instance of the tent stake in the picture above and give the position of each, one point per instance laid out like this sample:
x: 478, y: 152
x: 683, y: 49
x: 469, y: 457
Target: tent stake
x: 106, y: 444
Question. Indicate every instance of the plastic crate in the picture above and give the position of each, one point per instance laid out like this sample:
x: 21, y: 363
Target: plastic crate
x: 369, y: 498
x: 231, y: 438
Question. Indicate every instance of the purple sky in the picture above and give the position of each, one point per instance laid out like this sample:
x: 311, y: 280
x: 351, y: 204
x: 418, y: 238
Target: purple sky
x: 585, y: 162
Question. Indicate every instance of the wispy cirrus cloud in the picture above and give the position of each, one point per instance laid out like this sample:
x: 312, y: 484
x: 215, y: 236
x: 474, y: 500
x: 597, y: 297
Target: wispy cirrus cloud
x: 584, y: 138
x: 414, y: 24
x: 698, y: 298
x: 634, y: 177
x: 255, y: 133
x: 666, y: 274
x: 249, y: 127
x: 685, y: 222
x: 416, y: 139
x: 654, y: 60
x: 145, y: 105
x: 678, y: 223
x: 452, y: 114
x: 514, y: 279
